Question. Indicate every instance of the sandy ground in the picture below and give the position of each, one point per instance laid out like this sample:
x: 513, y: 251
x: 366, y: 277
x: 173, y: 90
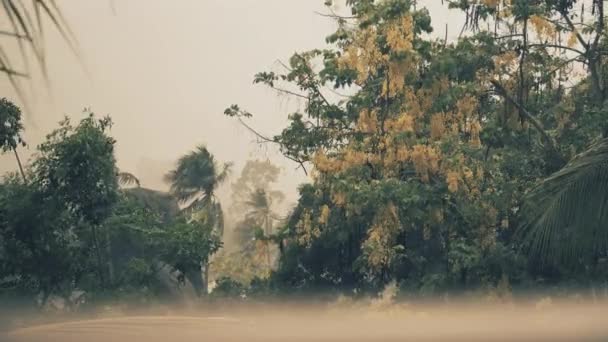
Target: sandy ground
x: 496, y: 323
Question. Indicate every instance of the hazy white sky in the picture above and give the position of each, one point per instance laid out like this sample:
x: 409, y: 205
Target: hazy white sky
x: 166, y: 70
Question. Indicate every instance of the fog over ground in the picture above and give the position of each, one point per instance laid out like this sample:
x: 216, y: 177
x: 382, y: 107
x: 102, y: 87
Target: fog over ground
x: 531, y: 321
x: 166, y: 70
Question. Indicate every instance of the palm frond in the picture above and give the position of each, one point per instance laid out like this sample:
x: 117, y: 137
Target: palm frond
x: 565, y: 218
x: 224, y: 173
x: 127, y: 179
x: 186, y: 195
x: 26, y: 26
x: 258, y: 200
x: 207, y: 211
x: 196, y: 175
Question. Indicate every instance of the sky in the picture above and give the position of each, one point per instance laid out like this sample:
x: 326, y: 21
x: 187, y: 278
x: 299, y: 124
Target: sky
x: 166, y: 70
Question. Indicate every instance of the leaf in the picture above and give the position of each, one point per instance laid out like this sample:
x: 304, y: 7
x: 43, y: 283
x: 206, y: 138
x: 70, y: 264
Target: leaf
x: 566, y: 215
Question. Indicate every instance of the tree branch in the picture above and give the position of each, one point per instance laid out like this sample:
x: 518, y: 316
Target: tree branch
x: 557, y: 46
x: 266, y: 139
x: 256, y: 133
x: 504, y: 93
x: 575, y: 31
x: 600, y: 24
x: 335, y: 16
x: 290, y: 92
x: 314, y: 85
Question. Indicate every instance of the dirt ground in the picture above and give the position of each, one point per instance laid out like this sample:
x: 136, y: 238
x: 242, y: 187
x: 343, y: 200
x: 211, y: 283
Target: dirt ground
x: 543, y: 321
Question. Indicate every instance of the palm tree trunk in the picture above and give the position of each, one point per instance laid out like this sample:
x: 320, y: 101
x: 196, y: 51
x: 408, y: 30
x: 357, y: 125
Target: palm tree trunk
x: 19, y: 163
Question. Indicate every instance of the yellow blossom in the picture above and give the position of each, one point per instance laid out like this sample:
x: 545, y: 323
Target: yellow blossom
x: 452, y: 179
x: 324, y: 214
x: 400, y: 34
x: 437, y: 126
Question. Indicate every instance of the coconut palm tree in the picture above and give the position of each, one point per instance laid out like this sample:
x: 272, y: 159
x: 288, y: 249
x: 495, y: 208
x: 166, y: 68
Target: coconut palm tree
x: 260, y: 214
x: 566, y: 216
x: 193, y: 182
x: 260, y: 223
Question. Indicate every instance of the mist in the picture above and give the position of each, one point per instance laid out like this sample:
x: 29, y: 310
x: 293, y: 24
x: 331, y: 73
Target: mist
x: 409, y: 228
x: 165, y: 74
x: 536, y: 320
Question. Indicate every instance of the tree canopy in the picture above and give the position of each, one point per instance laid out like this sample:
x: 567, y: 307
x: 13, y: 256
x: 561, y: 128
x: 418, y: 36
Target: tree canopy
x: 420, y: 175
x: 437, y: 165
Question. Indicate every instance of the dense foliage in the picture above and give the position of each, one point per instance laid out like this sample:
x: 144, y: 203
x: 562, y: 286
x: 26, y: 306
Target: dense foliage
x: 441, y: 166
x: 68, y: 226
x: 251, y: 252
x: 421, y: 173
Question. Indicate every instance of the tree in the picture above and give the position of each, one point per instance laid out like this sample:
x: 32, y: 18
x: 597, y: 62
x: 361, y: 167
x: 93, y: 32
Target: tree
x: 420, y: 172
x: 254, y: 203
x: 10, y: 130
x: 41, y: 250
x: 193, y: 182
x: 253, y: 224
x: 187, y: 246
x: 397, y: 166
x: 256, y: 174
x: 77, y: 167
x: 162, y: 203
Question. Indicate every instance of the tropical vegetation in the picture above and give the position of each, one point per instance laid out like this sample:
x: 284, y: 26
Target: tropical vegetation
x: 442, y: 166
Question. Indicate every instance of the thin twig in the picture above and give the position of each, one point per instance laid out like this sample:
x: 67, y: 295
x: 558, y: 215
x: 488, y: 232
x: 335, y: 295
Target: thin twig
x: 335, y: 16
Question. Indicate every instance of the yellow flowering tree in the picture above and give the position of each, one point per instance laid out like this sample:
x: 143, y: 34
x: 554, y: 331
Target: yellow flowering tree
x: 418, y: 175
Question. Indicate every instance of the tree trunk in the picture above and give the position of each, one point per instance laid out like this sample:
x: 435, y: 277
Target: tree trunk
x: 206, y: 278
x: 19, y: 163
x: 110, y: 258
x: 195, y: 277
x: 268, y: 232
x: 98, y: 255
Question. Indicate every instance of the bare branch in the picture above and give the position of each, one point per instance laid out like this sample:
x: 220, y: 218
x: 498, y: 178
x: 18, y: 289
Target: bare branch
x: 335, y: 16
x: 557, y: 46
x: 266, y: 139
x: 289, y: 92
x: 256, y: 133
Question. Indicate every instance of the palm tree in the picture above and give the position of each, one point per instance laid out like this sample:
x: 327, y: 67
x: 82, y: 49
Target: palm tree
x: 566, y: 216
x: 260, y: 222
x: 193, y: 182
x: 260, y: 214
x: 10, y: 130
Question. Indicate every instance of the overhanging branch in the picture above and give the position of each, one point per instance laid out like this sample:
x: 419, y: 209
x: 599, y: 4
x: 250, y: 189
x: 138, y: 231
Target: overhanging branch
x: 504, y: 93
